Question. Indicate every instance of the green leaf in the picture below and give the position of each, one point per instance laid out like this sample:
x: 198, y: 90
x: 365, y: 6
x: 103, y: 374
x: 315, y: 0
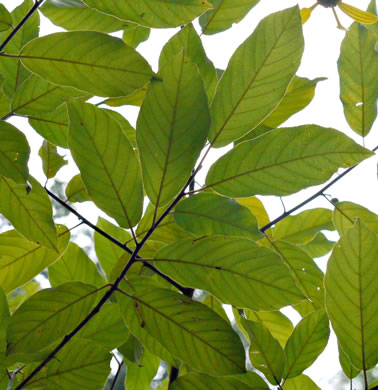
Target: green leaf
x: 21, y: 294
x: 79, y: 365
x: 319, y: 246
x: 4, y: 103
x: 207, y: 214
x: 225, y: 14
x: 177, y: 321
x: 128, y: 130
x: 87, y: 60
x: 22, y: 259
x: 358, y: 87
x: 174, y: 115
x: 153, y: 13
x: 265, y: 352
x: 4, y: 318
x: 74, y: 15
x: 304, y: 308
x: 133, y: 34
x: 284, y: 161
x: 134, y: 99
x: 215, y: 305
x: 14, y: 153
x: 76, y: 190
x: 253, y: 380
x: 30, y: 212
x: 5, y: 18
x: 351, y: 290
x: 235, y: 270
x: 75, y: 265
x: 349, y: 370
x: 345, y: 214
x: 205, y: 382
x: 301, y: 382
x: 252, y: 76
x: 107, y: 252
x: 49, y: 315
x: 51, y: 159
x: 53, y: 126
x: 106, y: 328
x: 11, y: 68
x: 106, y: 160
x: 306, y: 343
x: 188, y: 40
x: 37, y: 96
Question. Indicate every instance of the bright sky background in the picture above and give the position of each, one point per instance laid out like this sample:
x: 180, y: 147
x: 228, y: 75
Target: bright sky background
x: 322, y: 48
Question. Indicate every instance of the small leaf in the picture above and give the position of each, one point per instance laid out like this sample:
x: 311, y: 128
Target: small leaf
x: 350, y: 294
x: 94, y: 62
x: 284, y: 161
x: 306, y: 343
x: 29, y: 212
x: 133, y: 34
x: 76, y: 190
x: 301, y: 382
x: 209, y: 214
x: 265, y: 352
x: 51, y: 159
x: 106, y: 158
x: 14, y: 153
x: 319, y: 246
x: 134, y: 99
x: 349, y: 370
x: 153, y: 13
x: 49, y: 315
x: 204, y: 382
x: 5, y: 18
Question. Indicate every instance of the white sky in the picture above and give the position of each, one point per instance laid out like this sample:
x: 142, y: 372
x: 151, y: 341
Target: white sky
x: 322, y: 48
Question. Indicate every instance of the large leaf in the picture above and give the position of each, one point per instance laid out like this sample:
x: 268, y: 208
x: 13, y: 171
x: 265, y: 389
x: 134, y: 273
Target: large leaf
x: 14, y: 153
x: 225, y: 14
x: 94, y: 62
x: 284, y: 161
x: 49, y: 315
x: 4, y: 318
x: 79, y: 365
x: 174, y: 115
x: 75, y: 265
x: 177, y: 322
x: 106, y: 159
x: 351, y: 291
x: 74, y: 15
x: 265, y: 352
x: 235, y: 270
x: 257, y: 76
x: 207, y: 214
x: 153, y: 13
x: 358, y: 84
x: 301, y: 382
x: 52, y: 161
x: 30, y: 212
x: 22, y: 259
x: 188, y: 40
x: 306, y: 343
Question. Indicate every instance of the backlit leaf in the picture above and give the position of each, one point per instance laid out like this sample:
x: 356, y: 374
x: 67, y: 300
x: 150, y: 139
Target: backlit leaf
x: 134, y: 34
x: 4, y: 318
x: 301, y: 382
x: 5, y: 18
x: 319, y: 246
x: 51, y: 159
x: 204, y: 382
x: 76, y: 190
x: 134, y: 99
x: 349, y: 370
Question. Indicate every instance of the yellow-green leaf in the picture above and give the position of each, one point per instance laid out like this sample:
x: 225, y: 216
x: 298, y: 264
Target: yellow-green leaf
x: 319, y: 246
x: 76, y: 190
x: 5, y: 18
x: 134, y: 34
x: 301, y: 382
x: 4, y: 318
x: 349, y: 370
x: 52, y: 161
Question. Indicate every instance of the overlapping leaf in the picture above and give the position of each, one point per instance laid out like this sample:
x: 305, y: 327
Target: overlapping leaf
x: 76, y: 190
x: 233, y: 269
x: 301, y: 382
x: 319, y: 246
x: 258, y: 75
x: 52, y: 161
x: 108, y: 165
x: 153, y: 13
x: 134, y: 34
x: 174, y: 115
x: 4, y: 318
x: 349, y: 370
x: 284, y: 161
x: 94, y: 62
x: 5, y: 18
x: 351, y: 291
x: 204, y: 382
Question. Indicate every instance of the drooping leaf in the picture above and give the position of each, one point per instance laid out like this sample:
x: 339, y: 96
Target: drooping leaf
x: 30, y: 212
x: 75, y: 265
x: 358, y: 85
x: 4, y: 318
x: 174, y: 115
x: 188, y: 40
x: 258, y: 75
x: 49, y: 315
x: 233, y: 269
x: 349, y: 370
x: 5, y: 18
x: 209, y: 214
x: 22, y: 259
x: 301, y: 382
x: 176, y: 321
x: 306, y: 343
x: 153, y: 13
x: 265, y: 352
x: 76, y: 190
x: 75, y: 15
x: 106, y: 159
x: 14, y: 153
x: 51, y: 159
x: 225, y: 14
x: 351, y: 293
x: 319, y: 246
x: 91, y: 61
x: 134, y: 34
x: 284, y: 161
